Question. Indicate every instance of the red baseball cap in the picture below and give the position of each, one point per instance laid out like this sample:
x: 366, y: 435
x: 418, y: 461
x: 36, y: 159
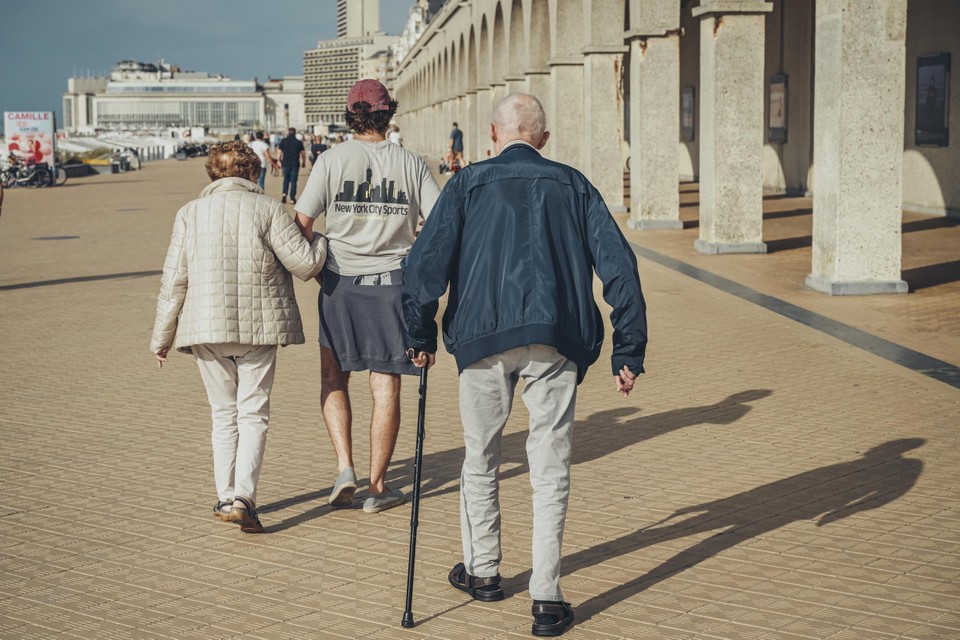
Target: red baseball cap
x: 371, y: 92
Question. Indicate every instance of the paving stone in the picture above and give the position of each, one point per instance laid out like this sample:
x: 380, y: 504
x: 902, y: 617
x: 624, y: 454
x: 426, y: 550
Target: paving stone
x: 731, y: 496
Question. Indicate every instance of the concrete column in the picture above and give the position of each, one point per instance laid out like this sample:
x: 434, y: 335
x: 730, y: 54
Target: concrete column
x: 438, y: 128
x: 415, y: 122
x: 498, y: 91
x: 654, y: 115
x: 516, y: 84
x: 566, y: 112
x: 731, y: 125
x: 482, y: 128
x: 858, y: 147
x: 603, y: 122
x: 469, y: 127
x: 538, y: 84
x: 460, y: 117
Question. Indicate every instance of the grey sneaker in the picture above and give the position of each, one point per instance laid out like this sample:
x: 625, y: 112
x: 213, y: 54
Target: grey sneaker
x: 344, y: 488
x: 392, y: 498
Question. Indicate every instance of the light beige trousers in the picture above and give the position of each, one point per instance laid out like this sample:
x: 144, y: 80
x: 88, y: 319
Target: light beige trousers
x: 486, y: 397
x: 238, y: 379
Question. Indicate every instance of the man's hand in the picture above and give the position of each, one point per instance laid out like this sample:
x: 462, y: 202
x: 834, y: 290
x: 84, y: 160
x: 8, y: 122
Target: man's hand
x: 416, y: 232
x: 624, y: 381
x: 162, y: 357
x: 422, y: 359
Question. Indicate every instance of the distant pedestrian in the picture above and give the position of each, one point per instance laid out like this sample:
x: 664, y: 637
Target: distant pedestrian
x: 226, y: 296
x: 372, y: 194
x: 316, y: 148
x: 292, y: 159
x: 393, y: 135
x: 456, y: 146
x: 262, y: 149
x: 517, y: 239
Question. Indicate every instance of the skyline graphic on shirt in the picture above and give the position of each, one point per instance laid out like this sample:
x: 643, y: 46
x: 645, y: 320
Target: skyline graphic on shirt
x: 368, y: 191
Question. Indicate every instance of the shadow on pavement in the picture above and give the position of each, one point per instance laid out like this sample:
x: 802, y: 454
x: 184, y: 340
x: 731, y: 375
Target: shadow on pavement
x: 599, y: 435
x: 787, y: 244
x: 932, y: 275
x: 775, y: 215
x: 826, y: 495
x: 109, y: 276
x: 602, y: 433
x: 929, y: 224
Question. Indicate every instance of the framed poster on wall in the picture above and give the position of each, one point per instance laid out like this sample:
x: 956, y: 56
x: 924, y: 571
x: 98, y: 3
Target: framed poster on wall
x: 688, y: 107
x: 933, y: 100
x: 778, y: 109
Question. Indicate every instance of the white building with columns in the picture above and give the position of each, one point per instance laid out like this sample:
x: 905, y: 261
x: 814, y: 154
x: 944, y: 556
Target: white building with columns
x: 741, y: 96
x: 146, y: 96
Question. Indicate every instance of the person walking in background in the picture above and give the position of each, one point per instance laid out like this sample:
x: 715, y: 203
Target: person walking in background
x: 316, y: 148
x: 226, y: 296
x: 456, y: 146
x: 262, y: 149
x: 371, y: 194
x: 393, y: 135
x: 292, y: 159
x: 517, y: 238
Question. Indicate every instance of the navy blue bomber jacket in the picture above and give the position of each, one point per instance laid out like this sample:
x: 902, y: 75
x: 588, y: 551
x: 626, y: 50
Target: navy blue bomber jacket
x: 518, y: 237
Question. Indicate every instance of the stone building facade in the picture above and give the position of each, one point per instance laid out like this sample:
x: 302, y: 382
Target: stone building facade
x: 739, y: 95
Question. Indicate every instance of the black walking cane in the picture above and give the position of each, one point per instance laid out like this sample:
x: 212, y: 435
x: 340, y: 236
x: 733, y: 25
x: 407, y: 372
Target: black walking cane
x: 407, y: 621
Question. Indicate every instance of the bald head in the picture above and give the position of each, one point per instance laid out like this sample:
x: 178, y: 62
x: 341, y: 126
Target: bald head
x: 519, y: 116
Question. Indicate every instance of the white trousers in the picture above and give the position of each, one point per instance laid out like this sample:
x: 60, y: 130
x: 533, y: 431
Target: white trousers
x: 238, y: 379
x: 486, y: 397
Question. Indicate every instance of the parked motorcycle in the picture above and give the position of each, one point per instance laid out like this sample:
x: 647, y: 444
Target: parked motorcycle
x: 27, y: 175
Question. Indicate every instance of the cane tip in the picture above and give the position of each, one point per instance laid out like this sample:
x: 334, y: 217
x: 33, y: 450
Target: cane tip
x: 407, y: 622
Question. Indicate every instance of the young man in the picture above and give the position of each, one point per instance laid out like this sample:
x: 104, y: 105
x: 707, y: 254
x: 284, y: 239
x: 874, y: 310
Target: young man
x: 292, y: 159
x: 371, y: 194
x: 518, y: 237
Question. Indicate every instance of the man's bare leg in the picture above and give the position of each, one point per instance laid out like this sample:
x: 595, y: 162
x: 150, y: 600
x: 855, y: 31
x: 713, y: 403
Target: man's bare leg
x: 384, y: 426
x: 335, y: 404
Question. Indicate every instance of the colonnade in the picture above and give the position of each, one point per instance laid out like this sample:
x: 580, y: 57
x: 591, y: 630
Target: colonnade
x: 608, y: 74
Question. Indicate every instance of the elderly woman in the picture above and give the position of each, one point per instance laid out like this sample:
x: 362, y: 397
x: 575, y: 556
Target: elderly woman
x: 227, y: 297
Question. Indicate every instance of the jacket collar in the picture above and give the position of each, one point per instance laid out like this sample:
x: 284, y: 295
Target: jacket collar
x: 518, y: 144
x: 230, y: 184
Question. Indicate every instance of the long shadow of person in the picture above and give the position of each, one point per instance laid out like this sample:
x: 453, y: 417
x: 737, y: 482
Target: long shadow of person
x: 827, y: 494
x: 599, y: 435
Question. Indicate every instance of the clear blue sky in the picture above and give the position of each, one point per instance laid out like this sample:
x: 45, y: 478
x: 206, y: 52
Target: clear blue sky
x: 44, y: 43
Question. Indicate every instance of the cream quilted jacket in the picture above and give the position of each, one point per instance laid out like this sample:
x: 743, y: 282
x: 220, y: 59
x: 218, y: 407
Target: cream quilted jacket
x: 224, y: 279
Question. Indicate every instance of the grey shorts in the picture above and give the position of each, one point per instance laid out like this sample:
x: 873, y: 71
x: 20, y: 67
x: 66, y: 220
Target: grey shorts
x: 361, y: 322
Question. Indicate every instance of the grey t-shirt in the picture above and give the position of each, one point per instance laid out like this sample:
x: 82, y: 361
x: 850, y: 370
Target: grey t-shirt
x: 371, y: 195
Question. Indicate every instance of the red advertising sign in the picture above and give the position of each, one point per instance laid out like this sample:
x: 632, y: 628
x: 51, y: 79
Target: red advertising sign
x: 31, y: 135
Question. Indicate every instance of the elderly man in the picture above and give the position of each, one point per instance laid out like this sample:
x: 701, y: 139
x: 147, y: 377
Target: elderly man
x: 518, y: 237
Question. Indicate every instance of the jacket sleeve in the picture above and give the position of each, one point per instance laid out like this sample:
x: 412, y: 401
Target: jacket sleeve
x: 616, y: 266
x: 429, y: 265
x: 301, y: 258
x: 173, y: 288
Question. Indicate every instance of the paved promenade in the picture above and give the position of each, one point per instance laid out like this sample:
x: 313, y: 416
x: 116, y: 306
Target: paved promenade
x: 766, y: 479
